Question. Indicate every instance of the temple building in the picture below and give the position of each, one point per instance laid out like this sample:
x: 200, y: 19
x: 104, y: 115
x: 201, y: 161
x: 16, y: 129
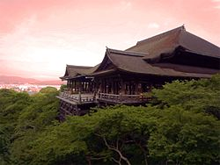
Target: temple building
x: 126, y: 76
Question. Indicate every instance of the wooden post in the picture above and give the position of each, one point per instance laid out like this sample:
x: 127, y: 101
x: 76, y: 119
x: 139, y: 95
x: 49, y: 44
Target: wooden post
x: 67, y: 84
x: 112, y: 87
x: 120, y: 97
x: 74, y: 86
x: 140, y: 87
x: 80, y: 86
x: 136, y: 88
x: 123, y: 87
x: 104, y: 86
x: 130, y: 88
x: 71, y: 86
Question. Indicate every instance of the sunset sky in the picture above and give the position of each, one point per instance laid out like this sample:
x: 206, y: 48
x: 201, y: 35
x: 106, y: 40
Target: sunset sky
x: 39, y: 37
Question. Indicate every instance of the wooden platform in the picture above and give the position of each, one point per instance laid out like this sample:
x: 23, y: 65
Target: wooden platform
x: 78, y: 105
x: 77, y: 98
x: 121, y: 99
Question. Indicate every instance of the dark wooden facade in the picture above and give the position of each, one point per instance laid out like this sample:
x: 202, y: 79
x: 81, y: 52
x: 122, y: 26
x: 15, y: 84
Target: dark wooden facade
x: 123, y: 77
x: 80, y: 85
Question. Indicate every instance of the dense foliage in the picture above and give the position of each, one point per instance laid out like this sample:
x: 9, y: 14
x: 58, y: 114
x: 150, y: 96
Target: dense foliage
x: 22, y: 119
x: 202, y: 95
x: 181, y: 126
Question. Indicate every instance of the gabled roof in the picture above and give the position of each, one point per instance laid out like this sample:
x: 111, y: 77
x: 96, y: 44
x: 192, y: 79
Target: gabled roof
x: 74, y: 71
x: 134, y: 63
x: 137, y: 58
x: 109, y: 59
x: 167, y: 42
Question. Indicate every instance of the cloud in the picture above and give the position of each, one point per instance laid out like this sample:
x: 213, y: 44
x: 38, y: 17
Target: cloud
x: 126, y: 5
x: 153, y: 25
x: 51, y: 33
x: 216, y: 4
x: 217, y: 7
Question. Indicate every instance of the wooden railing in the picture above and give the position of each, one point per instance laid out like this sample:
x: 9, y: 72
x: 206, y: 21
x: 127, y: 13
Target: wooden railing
x: 77, y: 97
x: 104, y: 97
x: 122, y: 98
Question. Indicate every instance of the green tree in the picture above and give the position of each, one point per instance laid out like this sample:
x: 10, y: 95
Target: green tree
x: 11, y: 105
x: 201, y: 95
x: 114, y: 135
x: 32, y: 121
x: 122, y: 133
x: 63, y: 87
x: 185, y: 137
x: 178, y: 130
x: 48, y: 90
x: 128, y: 135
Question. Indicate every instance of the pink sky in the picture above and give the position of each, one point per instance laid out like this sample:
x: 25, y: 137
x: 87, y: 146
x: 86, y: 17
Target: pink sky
x: 39, y: 37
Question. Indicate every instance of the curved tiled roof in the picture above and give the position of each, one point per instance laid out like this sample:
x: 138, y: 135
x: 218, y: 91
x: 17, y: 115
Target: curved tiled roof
x: 137, y: 58
x: 136, y: 64
x: 167, y: 42
x: 74, y: 71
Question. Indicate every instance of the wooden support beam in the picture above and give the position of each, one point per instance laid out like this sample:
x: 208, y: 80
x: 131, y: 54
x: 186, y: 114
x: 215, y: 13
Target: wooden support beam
x: 80, y: 88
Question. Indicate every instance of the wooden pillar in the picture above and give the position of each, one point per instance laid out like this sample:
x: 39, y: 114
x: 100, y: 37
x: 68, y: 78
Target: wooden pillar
x: 123, y: 87
x: 68, y: 84
x: 111, y: 86
x: 140, y: 88
x: 105, y: 86
x: 89, y: 86
x: 101, y: 86
x: 80, y: 88
x: 137, y: 88
x: 114, y: 87
x: 117, y: 87
x: 75, y: 85
x: 71, y: 86
x: 86, y: 88
x: 130, y: 88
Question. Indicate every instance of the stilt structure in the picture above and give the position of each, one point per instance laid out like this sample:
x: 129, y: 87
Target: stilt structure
x: 125, y: 77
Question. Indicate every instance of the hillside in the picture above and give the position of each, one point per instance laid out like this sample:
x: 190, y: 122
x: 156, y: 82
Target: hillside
x: 22, y: 80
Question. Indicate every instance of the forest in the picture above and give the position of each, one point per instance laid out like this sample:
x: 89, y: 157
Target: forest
x: 180, y: 126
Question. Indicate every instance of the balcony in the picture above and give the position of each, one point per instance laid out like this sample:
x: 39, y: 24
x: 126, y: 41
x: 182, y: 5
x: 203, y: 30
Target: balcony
x: 76, y: 98
x: 103, y: 98
x: 122, y: 98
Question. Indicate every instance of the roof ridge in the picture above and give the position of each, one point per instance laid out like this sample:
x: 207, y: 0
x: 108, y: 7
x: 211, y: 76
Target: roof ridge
x: 126, y: 53
x: 181, y: 38
x: 180, y: 29
x: 76, y: 66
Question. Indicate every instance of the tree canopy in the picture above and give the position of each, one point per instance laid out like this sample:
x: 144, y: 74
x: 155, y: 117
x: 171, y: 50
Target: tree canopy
x: 201, y: 95
x: 180, y: 126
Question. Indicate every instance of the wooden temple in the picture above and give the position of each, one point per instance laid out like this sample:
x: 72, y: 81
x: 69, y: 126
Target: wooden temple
x: 125, y: 76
